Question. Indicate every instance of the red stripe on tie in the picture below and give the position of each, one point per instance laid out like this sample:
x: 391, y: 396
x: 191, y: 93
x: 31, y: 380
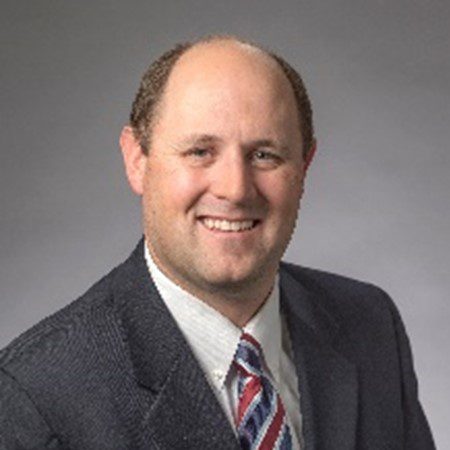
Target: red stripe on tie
x: 251, y: 389
x: 274, y: 429
x: 252, y: 340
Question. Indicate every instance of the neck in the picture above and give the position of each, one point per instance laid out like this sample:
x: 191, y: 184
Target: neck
x: 238, y: 307
x: 237, y: 301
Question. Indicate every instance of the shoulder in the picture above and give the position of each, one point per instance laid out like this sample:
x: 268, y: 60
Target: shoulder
x: 341, y: 297
x: 71, y: 324
x: 359, y: 318
x: 84, y: 339
x: 47, y: 368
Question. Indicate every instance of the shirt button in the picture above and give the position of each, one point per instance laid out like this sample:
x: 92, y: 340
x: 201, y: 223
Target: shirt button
x: 217, y: 374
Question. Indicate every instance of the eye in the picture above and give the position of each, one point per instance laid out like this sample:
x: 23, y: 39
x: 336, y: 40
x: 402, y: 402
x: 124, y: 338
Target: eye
x: 262, y: 155
x: 199, y: 152
x: 199, y: 156
x: 266, y: 158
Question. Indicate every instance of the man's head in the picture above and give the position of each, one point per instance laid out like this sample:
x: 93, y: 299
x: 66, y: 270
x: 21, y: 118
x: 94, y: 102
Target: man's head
x: 223, y: 176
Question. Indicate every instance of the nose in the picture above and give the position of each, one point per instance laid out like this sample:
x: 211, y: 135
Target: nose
x: 232, y: 179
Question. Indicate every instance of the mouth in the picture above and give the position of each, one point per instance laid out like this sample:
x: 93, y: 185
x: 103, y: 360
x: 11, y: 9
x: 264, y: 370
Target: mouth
x: 229, y: 226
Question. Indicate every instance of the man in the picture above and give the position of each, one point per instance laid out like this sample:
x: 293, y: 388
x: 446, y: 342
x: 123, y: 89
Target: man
x: 202, y: 338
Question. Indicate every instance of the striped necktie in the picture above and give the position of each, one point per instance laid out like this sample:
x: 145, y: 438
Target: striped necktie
x: 261, y: 417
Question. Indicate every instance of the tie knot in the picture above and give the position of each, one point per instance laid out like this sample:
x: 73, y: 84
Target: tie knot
x: 248, y: 356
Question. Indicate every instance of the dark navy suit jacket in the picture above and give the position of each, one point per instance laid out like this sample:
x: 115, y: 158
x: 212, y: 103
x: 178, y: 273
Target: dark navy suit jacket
x: 113, y: 371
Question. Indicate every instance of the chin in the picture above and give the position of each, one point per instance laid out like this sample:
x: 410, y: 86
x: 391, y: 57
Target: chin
x: 233, y: 279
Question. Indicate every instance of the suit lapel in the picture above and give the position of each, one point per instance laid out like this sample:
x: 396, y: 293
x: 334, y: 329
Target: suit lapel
x: 327, y: 380
x: 183, y: 411
x: 186, y: 414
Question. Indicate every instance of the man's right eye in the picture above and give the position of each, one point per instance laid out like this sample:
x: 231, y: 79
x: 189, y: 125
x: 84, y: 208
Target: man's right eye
x: 198, y: 152
x: 199, y: 156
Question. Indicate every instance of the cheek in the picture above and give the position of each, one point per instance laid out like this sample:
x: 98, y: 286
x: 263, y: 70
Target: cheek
x: 175, y: 190
x: 284, y: 191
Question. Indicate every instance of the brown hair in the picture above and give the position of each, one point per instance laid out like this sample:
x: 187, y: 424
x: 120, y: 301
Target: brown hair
x: 155, y: 79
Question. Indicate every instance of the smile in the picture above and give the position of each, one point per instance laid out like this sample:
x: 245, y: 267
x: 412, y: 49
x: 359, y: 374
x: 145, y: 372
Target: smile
x: 228, y: 225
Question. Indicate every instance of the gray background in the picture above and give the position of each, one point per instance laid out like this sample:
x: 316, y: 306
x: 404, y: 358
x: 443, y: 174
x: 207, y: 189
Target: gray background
x: 377, y: 197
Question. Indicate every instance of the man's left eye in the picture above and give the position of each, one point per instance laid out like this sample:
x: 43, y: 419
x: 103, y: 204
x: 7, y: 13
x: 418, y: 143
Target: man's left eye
x: 260, y: 154
x: 265, y: 156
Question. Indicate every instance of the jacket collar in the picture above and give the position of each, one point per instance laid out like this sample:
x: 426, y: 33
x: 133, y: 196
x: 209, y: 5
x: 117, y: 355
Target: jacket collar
x: 327, y: 380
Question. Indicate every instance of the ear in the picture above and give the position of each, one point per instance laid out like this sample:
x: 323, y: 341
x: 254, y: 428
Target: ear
x: 134, y: 159
x: 309, y: 156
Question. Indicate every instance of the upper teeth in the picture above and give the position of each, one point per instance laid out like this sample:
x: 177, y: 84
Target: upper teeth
x: 227, y: 225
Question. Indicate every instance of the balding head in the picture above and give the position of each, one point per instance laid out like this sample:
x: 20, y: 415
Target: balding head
x: 234, y: 82
x: 209, y: 52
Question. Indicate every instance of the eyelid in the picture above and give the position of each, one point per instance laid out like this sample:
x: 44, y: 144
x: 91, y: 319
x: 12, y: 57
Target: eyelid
x: 271, y: 158
x: 199, y: 155
x: 198, y: 148
x: 266, y: 150
x: 271, y: 152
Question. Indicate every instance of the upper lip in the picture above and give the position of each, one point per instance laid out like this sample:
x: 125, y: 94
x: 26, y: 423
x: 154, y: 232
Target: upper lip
x: 229, y: 219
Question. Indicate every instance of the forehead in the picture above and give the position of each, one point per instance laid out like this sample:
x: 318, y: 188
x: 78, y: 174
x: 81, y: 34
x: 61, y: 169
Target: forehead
x: 227, y: 77
x: 226, y: 87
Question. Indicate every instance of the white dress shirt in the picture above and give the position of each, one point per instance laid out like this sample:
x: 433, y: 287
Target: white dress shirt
x: 213, y: 339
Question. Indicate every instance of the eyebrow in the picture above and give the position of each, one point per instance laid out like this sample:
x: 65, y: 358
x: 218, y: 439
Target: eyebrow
x: 209, y: 139
x: 264, y: 143
x: 201, y: 139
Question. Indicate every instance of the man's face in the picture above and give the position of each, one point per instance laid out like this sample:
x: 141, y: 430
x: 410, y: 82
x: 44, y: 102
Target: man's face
x: 224, y: 175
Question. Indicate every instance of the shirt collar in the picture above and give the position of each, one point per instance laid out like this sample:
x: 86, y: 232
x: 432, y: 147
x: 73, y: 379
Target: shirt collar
x: 212, y: 337
x: 265, y: 327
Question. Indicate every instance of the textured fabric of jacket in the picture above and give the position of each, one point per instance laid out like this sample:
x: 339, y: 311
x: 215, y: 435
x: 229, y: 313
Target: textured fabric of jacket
x: 112, y: 371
